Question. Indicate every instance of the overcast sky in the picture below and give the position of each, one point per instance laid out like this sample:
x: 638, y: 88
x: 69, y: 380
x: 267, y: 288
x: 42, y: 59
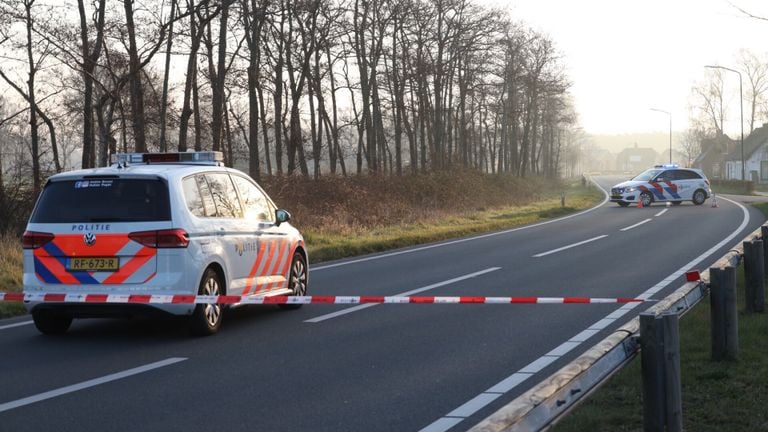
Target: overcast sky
x: 625, y: 57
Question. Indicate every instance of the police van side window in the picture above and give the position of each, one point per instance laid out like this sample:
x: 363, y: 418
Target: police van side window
x: 198, y: 197
x: 256, y: 205
x: 192, y: 197
x: 665, y: 176
x: 205, y: 193
x: 687, y: 175
x: 224, y: 195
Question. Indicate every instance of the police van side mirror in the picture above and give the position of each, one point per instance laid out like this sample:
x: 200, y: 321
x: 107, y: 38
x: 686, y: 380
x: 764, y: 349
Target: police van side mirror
x: 282, y: 216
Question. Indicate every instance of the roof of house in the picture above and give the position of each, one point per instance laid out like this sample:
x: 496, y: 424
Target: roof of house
x: 713, y: 147
x: 644, y: 152
x: 754, y: 141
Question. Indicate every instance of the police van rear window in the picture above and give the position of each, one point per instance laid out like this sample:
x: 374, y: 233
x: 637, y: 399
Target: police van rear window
x: 103, y: 200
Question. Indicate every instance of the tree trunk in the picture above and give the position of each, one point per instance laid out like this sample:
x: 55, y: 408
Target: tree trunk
x: 186, y: 109
x: 217, y: 81
x: 164, y: 101
x: 89, y: 65
x: 137, y: 94
x: 36, y: 175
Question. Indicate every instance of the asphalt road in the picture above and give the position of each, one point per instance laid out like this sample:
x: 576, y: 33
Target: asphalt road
x: 375, y: 368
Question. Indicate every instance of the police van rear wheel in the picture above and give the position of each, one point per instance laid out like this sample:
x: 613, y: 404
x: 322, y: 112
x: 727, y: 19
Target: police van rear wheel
x: 50, y: 323
x: 297, y: 281
x: 206, y: 318
x: 699, y: 197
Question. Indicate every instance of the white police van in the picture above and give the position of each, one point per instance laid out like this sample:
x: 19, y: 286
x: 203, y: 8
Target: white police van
x: 158, y: 224
x: 663, y: 183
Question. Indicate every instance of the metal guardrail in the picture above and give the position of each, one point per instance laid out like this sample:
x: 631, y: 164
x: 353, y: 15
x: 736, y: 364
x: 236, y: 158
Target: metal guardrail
x: 542, y: 406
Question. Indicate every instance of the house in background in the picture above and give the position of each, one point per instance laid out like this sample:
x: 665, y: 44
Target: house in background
x: 755, y: 157
x: 597, y: 159
x: 713, y: 155
x: 636, y: 159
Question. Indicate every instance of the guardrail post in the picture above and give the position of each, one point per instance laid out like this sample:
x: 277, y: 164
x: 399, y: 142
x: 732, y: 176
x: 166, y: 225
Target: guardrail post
x: 660, y: 363
x: 764, y: 236
x: 652, y: 366
x: 724, y: 313
x: 673, y: 386
x: 754, y: 276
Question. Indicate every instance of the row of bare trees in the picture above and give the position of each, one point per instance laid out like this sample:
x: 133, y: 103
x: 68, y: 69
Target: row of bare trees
x: 284, y: 86
x: 713, y: 98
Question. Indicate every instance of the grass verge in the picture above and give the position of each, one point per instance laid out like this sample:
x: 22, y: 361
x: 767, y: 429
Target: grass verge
x: 717, y: 396
x: 10, y: 273
x: 326, y: 244
x: 734, y: 187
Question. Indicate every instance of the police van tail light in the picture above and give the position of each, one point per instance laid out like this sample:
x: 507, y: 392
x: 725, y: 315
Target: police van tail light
x: 172, y: 238
x: 34, y: 239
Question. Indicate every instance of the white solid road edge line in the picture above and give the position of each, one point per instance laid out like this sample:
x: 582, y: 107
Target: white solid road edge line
x: 507, y: 384
x: 407, y: 293
x: 570, y: 246
x: 87, y: 384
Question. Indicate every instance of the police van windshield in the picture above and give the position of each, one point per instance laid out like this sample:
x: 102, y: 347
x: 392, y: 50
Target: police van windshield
x: 647, y: 175
x: 103, y: 200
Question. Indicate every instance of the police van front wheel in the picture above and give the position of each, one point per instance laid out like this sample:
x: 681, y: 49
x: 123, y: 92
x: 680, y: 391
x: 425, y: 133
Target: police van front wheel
x: 297, y: 280
x: 646, y: 199
x: 206, y: 318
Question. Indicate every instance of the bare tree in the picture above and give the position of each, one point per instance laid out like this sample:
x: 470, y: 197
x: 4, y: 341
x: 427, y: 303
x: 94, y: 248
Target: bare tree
x: 254, y: 18
x: 33, y: 64
x: 218, y: 78
x: 168, y: 47
x: 690, y: 144
x: 139, y: 57
x: 90, y: 57
x: 756, y: 70
x: 708, y: 102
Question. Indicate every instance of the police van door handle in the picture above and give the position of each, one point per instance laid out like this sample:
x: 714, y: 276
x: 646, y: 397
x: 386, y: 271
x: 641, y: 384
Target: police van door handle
x: 220, y: 232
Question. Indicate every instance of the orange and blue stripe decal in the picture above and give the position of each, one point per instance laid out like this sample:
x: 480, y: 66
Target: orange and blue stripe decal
x: 137, y: 262
x: 658, y: 190
x: 272, y: 259
x: 672, y: 189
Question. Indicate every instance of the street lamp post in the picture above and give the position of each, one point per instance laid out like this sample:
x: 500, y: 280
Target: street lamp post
x: 670, y: 130
x: 741, y: 104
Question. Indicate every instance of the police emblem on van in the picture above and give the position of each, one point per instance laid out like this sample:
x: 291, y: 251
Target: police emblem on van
x: 89, y: 239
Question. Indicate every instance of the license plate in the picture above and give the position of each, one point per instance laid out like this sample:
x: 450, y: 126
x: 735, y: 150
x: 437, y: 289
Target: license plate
x: 615, y: 196
x: 93, y: 264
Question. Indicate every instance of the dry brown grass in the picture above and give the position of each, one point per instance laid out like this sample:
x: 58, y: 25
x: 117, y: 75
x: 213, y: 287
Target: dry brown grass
x: 337, y: 204
x: 10, y: 272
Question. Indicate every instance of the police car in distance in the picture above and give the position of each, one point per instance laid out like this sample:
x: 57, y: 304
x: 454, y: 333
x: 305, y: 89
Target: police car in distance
x: 663, y: 183
x: 158, y: 224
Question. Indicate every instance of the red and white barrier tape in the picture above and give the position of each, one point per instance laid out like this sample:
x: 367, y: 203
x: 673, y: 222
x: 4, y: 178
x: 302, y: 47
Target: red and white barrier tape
x: 193, y: 299
x: 691, y: 276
